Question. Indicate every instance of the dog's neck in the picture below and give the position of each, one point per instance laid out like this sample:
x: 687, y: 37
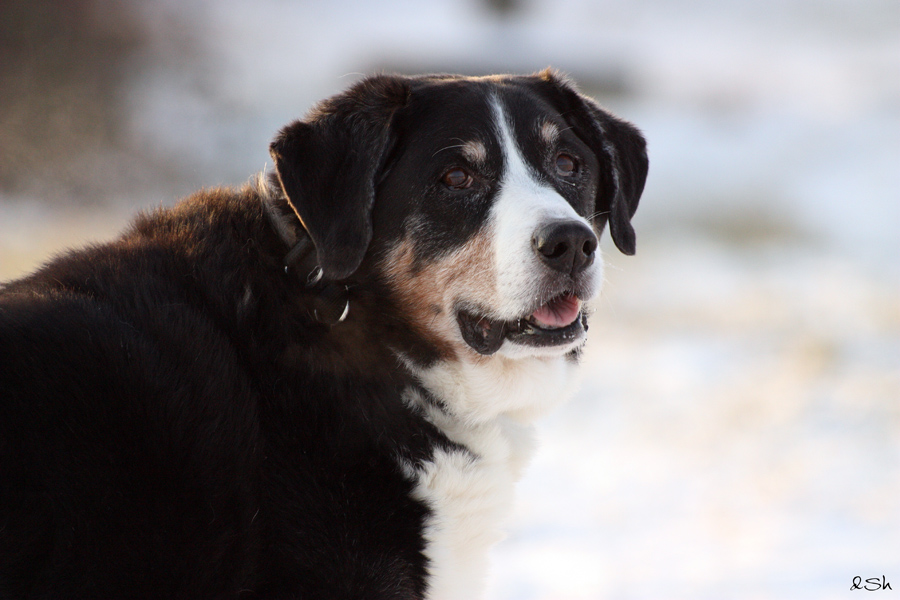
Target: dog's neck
x: 300, y: 260
x: 486, y: 408
x: 301, y: 257
x: 476, y: 389
x: 279, y: 211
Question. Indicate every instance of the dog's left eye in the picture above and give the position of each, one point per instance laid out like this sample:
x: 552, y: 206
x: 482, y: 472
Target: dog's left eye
x: 457, y: 179
x: 565, y: 165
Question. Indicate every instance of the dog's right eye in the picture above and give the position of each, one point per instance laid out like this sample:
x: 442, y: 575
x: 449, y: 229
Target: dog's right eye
x: 457, y: 179
x: 565, y: 165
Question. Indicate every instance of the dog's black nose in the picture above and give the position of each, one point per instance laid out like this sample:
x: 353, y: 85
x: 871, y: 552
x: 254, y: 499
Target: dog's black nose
x: 565, y: 246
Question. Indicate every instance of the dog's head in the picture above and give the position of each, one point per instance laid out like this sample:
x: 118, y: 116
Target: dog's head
x: 477, y: 202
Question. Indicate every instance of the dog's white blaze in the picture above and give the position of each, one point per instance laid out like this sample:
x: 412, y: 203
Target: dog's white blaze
x: 490, y: 401
x: 522, y: 206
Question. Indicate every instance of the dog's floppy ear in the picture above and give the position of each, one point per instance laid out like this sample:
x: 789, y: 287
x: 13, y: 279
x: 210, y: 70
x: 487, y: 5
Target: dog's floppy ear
x: 614, y: 141
x: 328, y: 163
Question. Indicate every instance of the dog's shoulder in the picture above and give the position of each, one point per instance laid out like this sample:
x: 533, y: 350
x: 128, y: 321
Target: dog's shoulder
x: 131, y: 325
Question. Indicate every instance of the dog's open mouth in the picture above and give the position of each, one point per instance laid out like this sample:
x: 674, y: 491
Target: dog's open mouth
x: 557, y: 322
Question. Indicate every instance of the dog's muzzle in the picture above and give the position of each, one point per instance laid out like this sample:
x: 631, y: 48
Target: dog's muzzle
x: 565, y: 248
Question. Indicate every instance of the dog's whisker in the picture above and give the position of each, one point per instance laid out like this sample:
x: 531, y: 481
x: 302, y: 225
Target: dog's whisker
x: 448, y: 148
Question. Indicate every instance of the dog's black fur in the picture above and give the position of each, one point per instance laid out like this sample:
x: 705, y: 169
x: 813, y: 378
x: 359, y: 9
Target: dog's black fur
x: 180, y: 414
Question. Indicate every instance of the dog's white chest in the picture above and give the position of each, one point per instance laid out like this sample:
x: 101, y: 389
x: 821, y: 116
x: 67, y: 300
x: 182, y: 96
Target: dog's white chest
x: 470, y: 494
x: 469, y: 490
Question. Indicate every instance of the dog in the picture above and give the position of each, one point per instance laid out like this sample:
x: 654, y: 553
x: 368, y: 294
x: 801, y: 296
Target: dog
x: 320, y: 385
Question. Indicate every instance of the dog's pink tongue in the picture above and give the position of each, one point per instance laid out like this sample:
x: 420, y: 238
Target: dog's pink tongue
x: 559, y: 312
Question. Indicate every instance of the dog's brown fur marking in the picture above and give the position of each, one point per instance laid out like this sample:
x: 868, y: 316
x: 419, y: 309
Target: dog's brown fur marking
x: 428, y: 293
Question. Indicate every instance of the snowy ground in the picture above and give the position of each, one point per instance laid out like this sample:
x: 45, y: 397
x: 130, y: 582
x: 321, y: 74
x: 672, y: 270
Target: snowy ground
x: 736, y: 436
x: 738, y: 431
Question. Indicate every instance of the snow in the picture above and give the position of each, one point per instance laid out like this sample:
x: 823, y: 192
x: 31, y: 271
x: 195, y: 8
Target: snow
x: 738, y: 430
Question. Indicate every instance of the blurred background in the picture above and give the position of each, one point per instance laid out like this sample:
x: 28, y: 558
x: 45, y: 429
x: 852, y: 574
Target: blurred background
x: 738, y: 431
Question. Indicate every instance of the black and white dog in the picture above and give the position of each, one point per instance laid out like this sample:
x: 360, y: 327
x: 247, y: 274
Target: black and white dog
x: 319, y: 386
